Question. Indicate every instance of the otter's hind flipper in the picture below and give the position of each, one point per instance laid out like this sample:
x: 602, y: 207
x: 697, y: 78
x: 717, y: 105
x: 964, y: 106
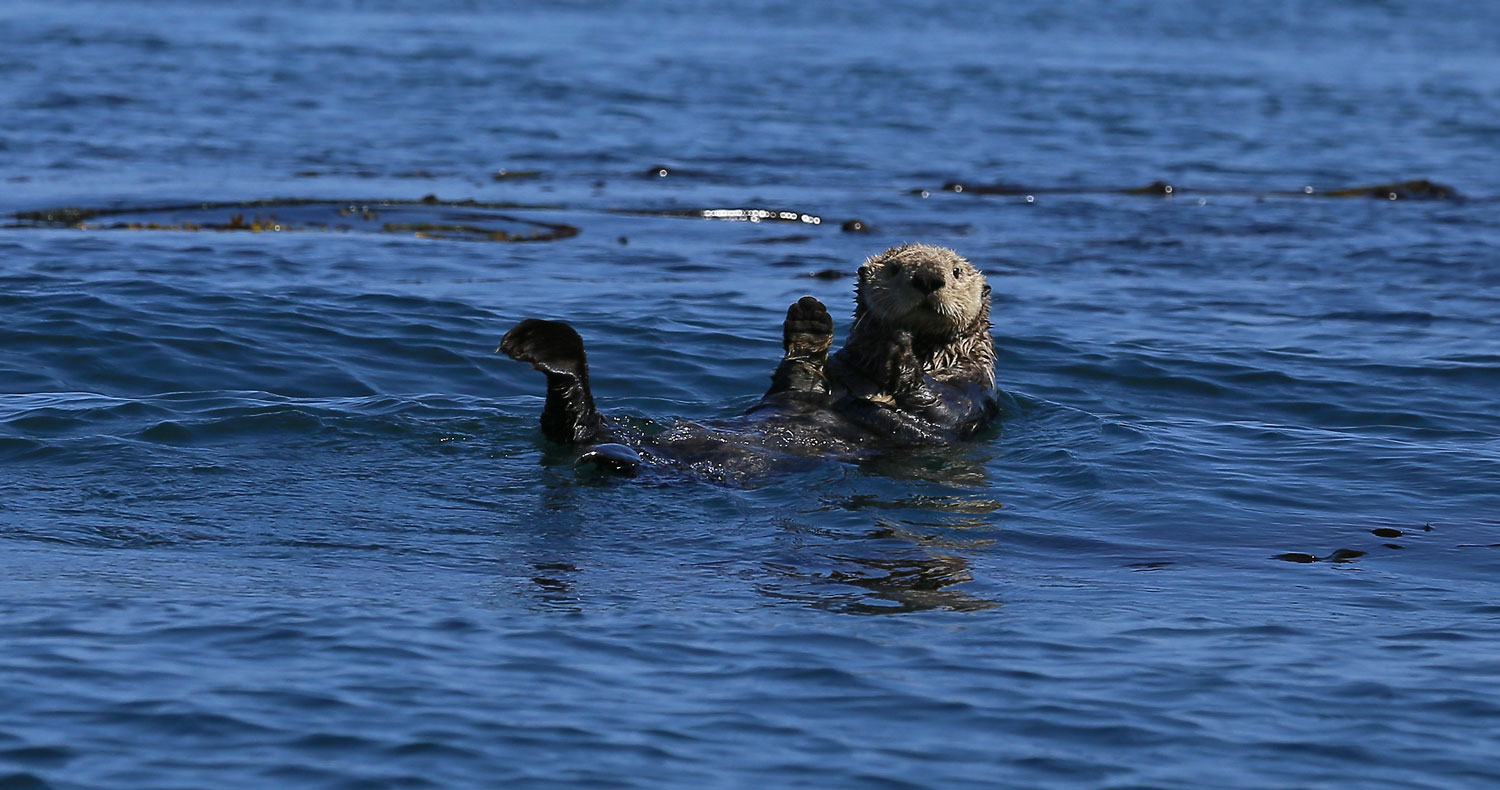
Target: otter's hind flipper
x: 555, y: 349
x: 806, y: 336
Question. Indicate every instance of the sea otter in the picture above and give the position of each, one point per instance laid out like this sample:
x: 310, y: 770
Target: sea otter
x: 918, y: 368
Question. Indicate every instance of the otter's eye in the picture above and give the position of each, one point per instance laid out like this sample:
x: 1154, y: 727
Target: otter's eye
x: 957, y: 273
x: 893, y: 269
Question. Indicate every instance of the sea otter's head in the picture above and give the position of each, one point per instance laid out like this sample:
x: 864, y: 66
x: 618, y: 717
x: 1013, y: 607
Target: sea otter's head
x: 929, y: 291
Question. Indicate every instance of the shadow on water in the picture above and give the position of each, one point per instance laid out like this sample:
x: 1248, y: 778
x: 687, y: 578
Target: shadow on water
x: 947, y: 465
x: 889, y: 571
x: 912, y: 521
x: 930, y: 507
x: 877, y: 584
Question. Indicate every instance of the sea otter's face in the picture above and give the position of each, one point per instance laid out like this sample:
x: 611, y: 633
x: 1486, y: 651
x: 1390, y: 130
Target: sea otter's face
x: 927, y: 290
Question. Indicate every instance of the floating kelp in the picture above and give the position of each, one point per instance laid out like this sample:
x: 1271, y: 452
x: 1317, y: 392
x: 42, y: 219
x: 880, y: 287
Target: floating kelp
x: 1420, y: 189
x: 515, y: 175
x: 428, y: 217
x: 1338, y: 555
x: 854, y: 226
x: 729, y: 214
x: 475, y: 220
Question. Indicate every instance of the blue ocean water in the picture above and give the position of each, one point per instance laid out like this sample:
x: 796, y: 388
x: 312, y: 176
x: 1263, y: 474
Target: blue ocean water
x: 273, y: 513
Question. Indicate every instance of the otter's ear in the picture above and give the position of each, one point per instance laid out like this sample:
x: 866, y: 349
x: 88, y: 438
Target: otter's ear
x: 986, y: 289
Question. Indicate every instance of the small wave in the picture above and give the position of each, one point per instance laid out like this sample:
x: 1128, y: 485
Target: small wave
x: 1143, y: 374
x: 65, y: 100
x: 1418, y: 317
x: 83, y: 428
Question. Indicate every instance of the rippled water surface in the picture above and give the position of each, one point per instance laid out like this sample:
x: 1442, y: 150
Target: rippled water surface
x: 273, y: 513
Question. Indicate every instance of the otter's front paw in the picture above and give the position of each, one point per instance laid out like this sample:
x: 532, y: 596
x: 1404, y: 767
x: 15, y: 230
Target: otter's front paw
x: 808, y: 329
x: 902, y: 372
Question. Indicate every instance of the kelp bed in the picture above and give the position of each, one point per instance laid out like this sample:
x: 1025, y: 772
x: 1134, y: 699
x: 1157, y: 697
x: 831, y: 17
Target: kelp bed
x: 472, y: 220
x: 428, y: 217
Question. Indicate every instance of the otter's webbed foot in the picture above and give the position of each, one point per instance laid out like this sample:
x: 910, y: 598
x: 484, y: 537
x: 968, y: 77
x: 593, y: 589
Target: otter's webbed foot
x: 555, y: 349
x: 612, y: 459
x: 806, y: 336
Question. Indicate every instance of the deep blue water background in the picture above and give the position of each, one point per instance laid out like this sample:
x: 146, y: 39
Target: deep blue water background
x: 272, y: 513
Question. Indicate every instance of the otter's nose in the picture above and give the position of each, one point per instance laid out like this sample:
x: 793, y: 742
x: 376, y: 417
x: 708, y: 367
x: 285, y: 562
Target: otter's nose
x: 927, y: 282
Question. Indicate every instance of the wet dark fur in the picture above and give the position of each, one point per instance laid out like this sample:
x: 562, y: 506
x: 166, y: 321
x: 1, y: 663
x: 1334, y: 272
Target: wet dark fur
x: 918, y: 368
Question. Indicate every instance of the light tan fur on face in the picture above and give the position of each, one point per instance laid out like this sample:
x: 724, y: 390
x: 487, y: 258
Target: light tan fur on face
x: 926, y: 290
x: 937, y: 296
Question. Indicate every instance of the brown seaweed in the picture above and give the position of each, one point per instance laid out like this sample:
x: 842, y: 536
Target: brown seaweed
x: 480, y: 221
x: 1417, y: 189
